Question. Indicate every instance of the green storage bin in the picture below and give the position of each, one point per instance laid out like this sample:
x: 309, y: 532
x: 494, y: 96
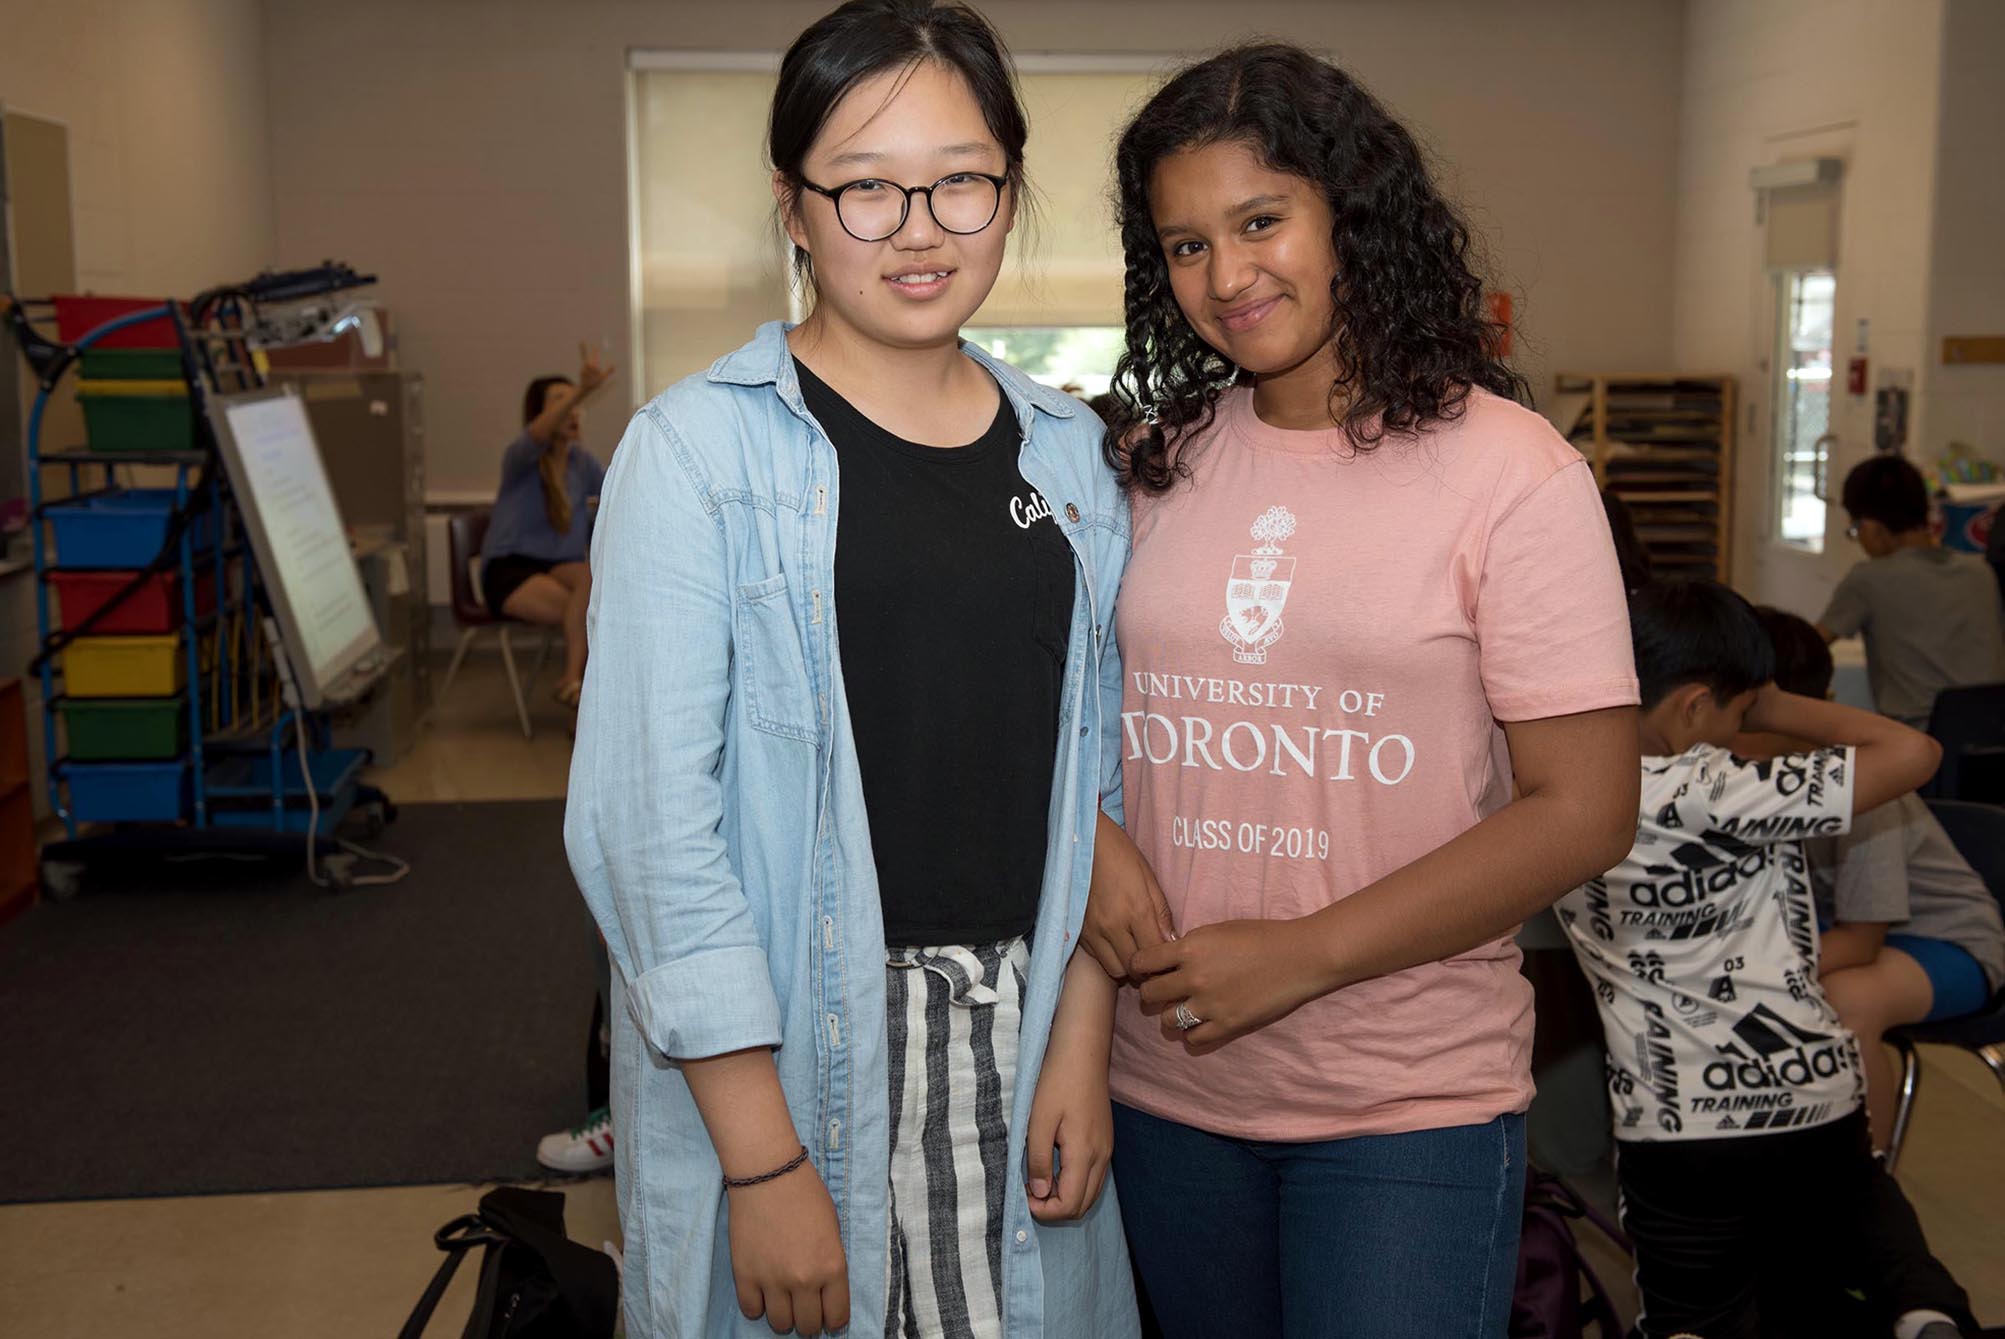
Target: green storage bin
x: 126, y: 728
x: 139, y: 423
x: 132, y: 364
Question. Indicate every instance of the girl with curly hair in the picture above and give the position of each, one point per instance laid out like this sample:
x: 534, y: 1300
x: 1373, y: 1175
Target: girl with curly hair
x: 1379, y: 709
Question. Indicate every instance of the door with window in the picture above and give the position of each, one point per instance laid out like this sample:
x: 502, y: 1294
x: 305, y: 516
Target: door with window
x: 1802, y: 398
x: 1798, y: 207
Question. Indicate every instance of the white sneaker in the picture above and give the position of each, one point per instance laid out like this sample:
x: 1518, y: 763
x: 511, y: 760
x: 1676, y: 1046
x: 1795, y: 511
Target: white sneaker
x: 582, y: 1149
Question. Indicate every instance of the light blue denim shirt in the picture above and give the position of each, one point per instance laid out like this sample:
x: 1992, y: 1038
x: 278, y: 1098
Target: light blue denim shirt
x: 717, y: 828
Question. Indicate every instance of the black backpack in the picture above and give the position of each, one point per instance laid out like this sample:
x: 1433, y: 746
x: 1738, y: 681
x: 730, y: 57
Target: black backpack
x: 535, y: 1282
x: 1547, y: 1302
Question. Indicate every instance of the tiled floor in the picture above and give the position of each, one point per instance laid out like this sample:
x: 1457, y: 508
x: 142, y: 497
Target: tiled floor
x: 341, y: 1264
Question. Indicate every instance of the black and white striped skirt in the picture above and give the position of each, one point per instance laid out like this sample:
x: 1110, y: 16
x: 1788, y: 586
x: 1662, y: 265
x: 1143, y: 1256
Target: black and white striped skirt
x: 954, y: 1014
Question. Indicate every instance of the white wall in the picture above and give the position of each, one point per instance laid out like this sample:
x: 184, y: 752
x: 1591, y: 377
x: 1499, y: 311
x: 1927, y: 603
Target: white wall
x: 1859, y: 79
x: 474, y: 156
x: 1967, y: 286
x: 170, y: 159
x: 170, y: 162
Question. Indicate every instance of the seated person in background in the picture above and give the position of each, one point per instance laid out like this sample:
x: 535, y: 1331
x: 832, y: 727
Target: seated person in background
x: 1747, y: 1178
x: 1930, y: 615
x: 535, y: 563
x: 1911, y: 932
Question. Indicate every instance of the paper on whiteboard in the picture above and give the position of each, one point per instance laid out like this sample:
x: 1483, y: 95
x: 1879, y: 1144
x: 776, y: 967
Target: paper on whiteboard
x: 302, y: 527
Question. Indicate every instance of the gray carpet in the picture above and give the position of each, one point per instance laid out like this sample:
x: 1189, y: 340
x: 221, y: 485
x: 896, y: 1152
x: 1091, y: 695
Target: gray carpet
x: 228, y: 1027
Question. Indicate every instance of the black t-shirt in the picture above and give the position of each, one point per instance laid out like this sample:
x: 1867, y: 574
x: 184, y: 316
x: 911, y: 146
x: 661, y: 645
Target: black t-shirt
x: 953, y: 608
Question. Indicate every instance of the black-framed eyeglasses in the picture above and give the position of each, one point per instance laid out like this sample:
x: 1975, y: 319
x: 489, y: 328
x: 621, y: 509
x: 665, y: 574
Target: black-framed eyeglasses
x: 871, y: 209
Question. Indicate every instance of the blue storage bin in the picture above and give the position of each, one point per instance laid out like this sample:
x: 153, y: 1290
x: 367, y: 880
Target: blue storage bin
x: 122, y: 529
x: 127, y: 792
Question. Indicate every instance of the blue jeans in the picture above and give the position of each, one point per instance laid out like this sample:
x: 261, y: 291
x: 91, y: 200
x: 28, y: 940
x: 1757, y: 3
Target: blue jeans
x: 1375, y: 1237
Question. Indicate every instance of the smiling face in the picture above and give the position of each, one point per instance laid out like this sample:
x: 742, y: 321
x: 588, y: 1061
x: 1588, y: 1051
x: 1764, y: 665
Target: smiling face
x: 917, y: 287
x: 1250, y: 256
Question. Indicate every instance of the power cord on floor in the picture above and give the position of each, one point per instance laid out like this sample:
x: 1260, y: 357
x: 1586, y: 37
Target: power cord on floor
x: 289, y: 694
x: 398, y: 868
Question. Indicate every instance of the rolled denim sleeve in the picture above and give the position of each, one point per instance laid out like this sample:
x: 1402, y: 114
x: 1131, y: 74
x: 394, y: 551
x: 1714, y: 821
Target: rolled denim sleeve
x: 642, y: 825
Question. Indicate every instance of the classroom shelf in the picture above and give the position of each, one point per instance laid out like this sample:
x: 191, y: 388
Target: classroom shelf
x: 1663, y: 443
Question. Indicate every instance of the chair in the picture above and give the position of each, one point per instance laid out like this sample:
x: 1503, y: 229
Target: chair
x: 465, y: 532
x: 1978, y: 831
x: 1969, y: 723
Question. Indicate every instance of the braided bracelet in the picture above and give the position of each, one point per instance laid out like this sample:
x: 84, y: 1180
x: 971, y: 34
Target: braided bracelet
x: 739, y: 1183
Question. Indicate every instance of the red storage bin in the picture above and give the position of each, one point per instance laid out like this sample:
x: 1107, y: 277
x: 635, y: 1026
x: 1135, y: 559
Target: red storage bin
x: 77, y: 316
x: 154, y: 608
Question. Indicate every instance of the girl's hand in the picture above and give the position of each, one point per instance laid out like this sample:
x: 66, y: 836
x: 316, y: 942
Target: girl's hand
x: 786, y: 1254
x: 1071, y: 1115
x: 593, y: 371
x: 1236, y: 976
x: 1125, y: 907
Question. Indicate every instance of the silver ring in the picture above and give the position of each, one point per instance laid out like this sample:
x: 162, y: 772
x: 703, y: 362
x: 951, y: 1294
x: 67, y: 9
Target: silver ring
x: 1186, y: 1020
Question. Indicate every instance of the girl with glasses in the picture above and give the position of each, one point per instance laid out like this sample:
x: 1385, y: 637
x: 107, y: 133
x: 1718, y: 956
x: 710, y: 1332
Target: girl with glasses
x: 1379, y: 709
x: 850, y: 736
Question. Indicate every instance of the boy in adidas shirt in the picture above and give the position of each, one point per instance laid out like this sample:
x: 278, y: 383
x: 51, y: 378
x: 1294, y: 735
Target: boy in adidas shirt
x: 1748, y: 1181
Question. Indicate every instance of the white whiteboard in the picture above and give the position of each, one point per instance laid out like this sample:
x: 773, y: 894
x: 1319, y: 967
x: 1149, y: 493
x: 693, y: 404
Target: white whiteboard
x: 302, y: 548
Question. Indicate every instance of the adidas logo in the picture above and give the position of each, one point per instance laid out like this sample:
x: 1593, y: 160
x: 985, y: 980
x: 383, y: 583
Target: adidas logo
x: 1763, y: 1030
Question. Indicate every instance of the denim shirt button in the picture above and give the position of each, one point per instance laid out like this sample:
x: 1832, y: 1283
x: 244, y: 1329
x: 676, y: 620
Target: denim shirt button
x: 1072, y: 511
x: 1022, y: 1236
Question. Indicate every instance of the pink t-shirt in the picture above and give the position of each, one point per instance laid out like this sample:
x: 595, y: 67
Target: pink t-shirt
x: 1319, y: 645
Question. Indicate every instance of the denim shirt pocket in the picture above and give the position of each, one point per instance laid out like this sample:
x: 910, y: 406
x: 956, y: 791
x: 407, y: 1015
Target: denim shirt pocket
x: 773, y: 666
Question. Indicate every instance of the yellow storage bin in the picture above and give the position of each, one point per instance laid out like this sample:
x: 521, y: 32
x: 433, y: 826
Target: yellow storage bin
x: 149, y: 389
x: 124, y: 666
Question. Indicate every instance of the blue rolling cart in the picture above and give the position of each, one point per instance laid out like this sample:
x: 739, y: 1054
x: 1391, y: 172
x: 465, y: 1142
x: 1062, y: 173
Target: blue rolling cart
x: 163, y: 721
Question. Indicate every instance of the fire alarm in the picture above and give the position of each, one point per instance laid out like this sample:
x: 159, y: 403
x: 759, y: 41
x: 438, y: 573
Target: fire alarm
x: 1855, y: 376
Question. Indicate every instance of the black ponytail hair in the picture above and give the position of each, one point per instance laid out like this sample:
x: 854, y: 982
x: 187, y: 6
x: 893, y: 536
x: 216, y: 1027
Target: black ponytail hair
x: 1412, y: 334
x: 867, y: 37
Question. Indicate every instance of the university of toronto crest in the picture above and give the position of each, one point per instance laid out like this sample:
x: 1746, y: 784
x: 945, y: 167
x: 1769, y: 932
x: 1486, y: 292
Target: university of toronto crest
x: 1258, y: 588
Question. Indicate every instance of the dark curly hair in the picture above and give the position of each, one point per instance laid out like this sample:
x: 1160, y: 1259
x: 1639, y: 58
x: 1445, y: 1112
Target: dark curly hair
x: 1411, y: 335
